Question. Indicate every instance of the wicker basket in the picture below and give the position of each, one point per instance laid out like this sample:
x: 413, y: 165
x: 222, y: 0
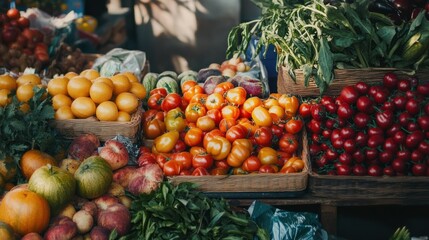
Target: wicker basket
x: 343, y: 77
x: 104, y: 130
x: 253, y: 183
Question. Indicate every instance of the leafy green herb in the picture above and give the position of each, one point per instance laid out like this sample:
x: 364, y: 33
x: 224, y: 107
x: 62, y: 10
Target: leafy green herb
x: 182, y: 212
x: 312, y: 35
x: 21, y: 131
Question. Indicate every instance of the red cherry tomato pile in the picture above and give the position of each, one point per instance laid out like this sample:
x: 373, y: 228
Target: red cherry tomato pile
x: 371, y: 130
x: 226, y: 132
x: 18, y: 41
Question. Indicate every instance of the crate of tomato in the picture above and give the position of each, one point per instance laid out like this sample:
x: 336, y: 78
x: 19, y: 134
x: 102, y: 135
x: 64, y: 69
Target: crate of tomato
x: 371, y: 139
x: 228, y: 142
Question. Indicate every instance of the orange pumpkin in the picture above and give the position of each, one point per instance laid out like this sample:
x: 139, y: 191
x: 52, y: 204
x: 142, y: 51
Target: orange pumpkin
x: 25, y: 211
x: 34, y: 159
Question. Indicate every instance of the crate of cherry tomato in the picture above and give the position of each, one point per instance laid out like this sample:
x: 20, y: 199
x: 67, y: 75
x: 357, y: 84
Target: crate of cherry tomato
x: 226, y: 141
x: 371, y: 139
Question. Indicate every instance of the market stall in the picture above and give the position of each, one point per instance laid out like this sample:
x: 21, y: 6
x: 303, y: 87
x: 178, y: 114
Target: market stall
x: 98, y: 146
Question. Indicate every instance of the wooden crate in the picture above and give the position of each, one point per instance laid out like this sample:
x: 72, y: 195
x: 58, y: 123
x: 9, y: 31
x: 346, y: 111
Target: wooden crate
x: 260, y: 184
x: 343, y: 77
x: 104, y: 130
x: 368, y: 186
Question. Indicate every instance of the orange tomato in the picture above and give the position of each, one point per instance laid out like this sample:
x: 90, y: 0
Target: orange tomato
x: 192, y: 91
x: 28, y: 78
x: 100, y: 92
x: 107, y: 111
x: 123, y: 117
x: 251, y: 103
x: 236, y: 95
x: 215, y: 101
x: 138, y: 89
x: 186, y: 85
x: 90, y: 74
x: 223, y: 87
x: 199, y: 98
x: 78, y: 87
x: 83, y: 107
x: 25, y: 92
x: 230, y: 111
x: 121, y: 83
x: 60, y: 100
x: 226, y: 123
x: 58, y: 85
x: 4, y: 97
x: 7, y: 82
x: 127, y: 102
x: 64, y: 113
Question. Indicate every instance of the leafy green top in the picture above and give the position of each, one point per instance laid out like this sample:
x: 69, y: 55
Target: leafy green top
x: 21, y: 131
x: 318, y: 38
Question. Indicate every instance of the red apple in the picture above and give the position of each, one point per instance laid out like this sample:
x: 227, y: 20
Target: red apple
x: 23, y: 22
x: 105, y: 201
x: 13, y: 13
x: 83, y: 146
x: 62, y: 228
x: 124, y: 175
x: 99, y: 233
x: 84, y: 221
x: 115, y: 153
x: 146, y: 179
x: 32, y: 236
x: 91, y: 208
x: 116, y: 217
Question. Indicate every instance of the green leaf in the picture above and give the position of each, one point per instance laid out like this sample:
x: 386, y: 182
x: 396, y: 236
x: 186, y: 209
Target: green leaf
x: 325, y: 62
x: 307, y: 70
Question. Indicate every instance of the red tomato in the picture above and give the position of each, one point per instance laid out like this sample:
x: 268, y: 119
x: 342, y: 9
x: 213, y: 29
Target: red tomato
x: 161, y: 91
x: 268, y: 169
x: 171, y: 101
x: 204, y: 160
x: 218, y: 171
x: 200, y: 171
x: 215, y: 114
x: 263, y: 136
x: 180, y: 146
x: 251, y: 164
x: 184, y: 159
x: 294, y: 125
x: 288, y: 143
x: 222, y: 164
x: 155, y: 100
x: 162, y: 158
x: 236, y: 132
x: 171, y: 168
x: 197, y: 150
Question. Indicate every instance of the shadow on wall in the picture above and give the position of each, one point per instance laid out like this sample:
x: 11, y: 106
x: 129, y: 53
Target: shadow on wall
x: 184, y: 34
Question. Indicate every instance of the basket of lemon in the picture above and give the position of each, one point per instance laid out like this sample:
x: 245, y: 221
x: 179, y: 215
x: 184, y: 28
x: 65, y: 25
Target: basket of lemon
x: 90, y: 103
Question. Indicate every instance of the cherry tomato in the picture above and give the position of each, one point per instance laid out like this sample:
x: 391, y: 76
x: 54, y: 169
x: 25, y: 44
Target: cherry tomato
x: 304, y: 110
x: 349, y: 94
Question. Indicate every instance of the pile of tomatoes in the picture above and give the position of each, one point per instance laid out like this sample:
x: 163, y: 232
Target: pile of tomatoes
x: 371, y: 129
x: 226, y: 132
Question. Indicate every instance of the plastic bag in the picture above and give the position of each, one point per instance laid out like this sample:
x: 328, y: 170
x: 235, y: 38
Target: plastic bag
x: 285, y: 225
x: 121, y: 60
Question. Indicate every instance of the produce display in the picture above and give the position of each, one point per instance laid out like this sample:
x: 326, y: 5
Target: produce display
x: 231, y: 130
x: 20, y: 45
x: 371, y: 129
x: 318, y: 36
